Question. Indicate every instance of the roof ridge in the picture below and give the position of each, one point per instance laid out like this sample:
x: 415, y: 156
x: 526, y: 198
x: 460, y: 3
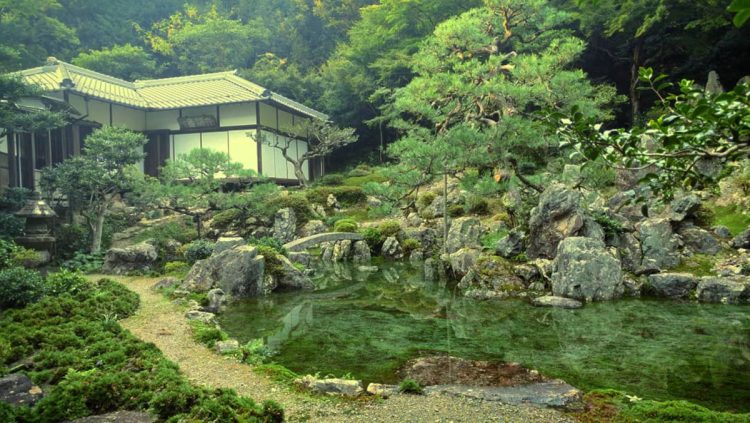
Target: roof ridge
x: 89, y: 72
x: 141, y: 83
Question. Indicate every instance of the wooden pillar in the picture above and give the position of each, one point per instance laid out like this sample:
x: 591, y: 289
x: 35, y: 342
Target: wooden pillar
x: 12, y: 160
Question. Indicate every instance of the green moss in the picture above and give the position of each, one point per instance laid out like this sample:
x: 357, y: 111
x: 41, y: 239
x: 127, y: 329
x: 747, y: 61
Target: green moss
x: 182, y: 231
x: 425, y: 199
x: 732, y: 217
x: 490, y: 240
x: 207, y: 334
x: 177, y: 269
x: 277, y: 373
x: 410, y: 244
x: 698, y: 265
x: 389, y: 228
x: 359, y: 181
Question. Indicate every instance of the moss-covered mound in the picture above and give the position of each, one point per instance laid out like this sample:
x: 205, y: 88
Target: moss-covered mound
x: 87, y: 364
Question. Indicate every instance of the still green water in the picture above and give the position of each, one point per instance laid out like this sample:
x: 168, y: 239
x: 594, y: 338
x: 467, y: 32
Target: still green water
x: 368, y: 325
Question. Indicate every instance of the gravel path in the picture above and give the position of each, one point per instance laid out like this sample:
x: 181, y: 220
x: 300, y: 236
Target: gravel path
x: 162, y: 323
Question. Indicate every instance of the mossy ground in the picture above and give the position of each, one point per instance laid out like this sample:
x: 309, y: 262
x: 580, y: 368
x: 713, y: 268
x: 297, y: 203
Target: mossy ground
x: 732, y: 217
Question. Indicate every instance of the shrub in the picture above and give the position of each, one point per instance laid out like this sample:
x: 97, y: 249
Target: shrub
x: 10, y: 226
x: 273, y: 264
x: 478, y: 206
x: 273, y: 411
x: 207, y: 334
x: 270, y: 242
x: 410, y: 244
x: 177, y: 269
x: 455, y: 210
x: 84, y: 262
x: 8, y: 251
x: 348, y: 196
x: 296, y: 202
x: 410, y: 386
x: 226, y: 218
x: 70, y: 239
x: 373, y: 237
x: 425, y: 199
x: 179, y: 231
x: 331, y: 179
x: 389, y: 228
x: 65, y: 282
x: 598, y: 174
x: 20, y: 287
x: 12, y: 199
x: 609, y: 225
x: 198, y: 250
x: 345, y: 225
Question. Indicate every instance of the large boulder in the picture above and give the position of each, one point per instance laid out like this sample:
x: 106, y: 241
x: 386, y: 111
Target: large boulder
x: 672, y: 285
x: 427, y: 237
x: 216, y: 300
x: 227, y: 243
x: 658, y: 244
x: 464, y: 232
x: 511, y: 245
x: 628, y: 250
x: 238, y: 272
x: 463, y: 260
x: 699, y: 240
x: 312, y: 227
x: 585, y: 270
x: 684, y: 207
x: 724, y: 290
x: 341, y: 250
x: 284, y: 225
x: 136, y: 258
x: 392, y: 249
x: 488, y: 276
x: 742, y: 240
x: 557, y: 216
x: 289, y: 277
x: 361, y: 252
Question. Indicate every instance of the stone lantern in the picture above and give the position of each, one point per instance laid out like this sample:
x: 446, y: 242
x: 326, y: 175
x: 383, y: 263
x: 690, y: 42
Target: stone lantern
x: 37, y: 230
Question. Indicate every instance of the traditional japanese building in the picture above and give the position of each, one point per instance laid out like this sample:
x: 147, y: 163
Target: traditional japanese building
x: 219, y: 111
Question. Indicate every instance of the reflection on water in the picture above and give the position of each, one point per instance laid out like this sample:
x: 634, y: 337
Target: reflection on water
x: 369, y: 324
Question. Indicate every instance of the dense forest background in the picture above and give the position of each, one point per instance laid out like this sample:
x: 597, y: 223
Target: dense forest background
x: 347, y: 57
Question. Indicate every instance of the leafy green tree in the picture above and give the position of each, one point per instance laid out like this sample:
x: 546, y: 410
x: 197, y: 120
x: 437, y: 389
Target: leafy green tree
x: 13, y: 118
x: 481, y: 80
x: 93, y: 180
x: 741, y: 8
x: 688, y: 145
x: 29, y: 32
x: 207, y: 42
x: 126, y: 61
x: 285, y: 78
x: 191, y: 185
x: 322, y: 138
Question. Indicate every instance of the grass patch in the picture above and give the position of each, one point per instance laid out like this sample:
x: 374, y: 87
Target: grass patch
x: 206, y: 334
x: 732, y: 217
x: 698, y: 265
x: 490, y: 240
x: 277, y: 373
x: 613, y: 406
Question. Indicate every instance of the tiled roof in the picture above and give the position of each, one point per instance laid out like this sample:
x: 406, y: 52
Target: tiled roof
x: 159, y: 94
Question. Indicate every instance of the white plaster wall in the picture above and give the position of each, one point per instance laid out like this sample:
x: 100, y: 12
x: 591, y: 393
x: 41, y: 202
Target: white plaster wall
x: 3, y: 144
x: 128, y: 118
x: 184, y: 143
x: 267, y: 115
x: 98, y: 111
x: 216, y: 141
x: 162, y: 119
x: 285, y: 121
x: 78, y: 103
x: 243, y: 149
x: 237, y: 114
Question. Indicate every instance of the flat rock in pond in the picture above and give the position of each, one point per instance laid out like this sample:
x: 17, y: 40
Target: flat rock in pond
x: 553, y: 301
x: 554, y: 394
x: 344, y: 387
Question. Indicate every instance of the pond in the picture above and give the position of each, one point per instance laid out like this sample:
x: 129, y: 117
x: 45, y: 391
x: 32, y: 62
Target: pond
x: 367, y: 325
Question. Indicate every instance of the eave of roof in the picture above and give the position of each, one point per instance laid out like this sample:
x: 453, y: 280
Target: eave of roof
x: 160, y: 94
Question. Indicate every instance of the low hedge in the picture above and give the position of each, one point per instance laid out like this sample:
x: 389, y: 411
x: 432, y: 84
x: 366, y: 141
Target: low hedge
x: 90, y: 365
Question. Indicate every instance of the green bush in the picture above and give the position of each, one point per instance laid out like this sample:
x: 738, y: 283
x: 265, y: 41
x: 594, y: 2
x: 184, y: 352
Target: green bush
x: 478, y: 206
x: 425, y: 199
x: 331, y: 179
x: 345, y: 225
x: 270, y: 242
x: 8, y: 252
x: 10, y: 226
x: 181, y: 231
x: 273, y: 264
x: 90, y: 365
x: 65, y: 282
x: 84, y: 262
x: 410, y: 386
x: 20, y: 287
x: 348, y: 196
x: 71, y: 239
x: 598, y: 174
x: 206, y: 334
x: 226, y: 218
x: 389, y: 228
x: 455, y: 210
x: 410, y: 244
x: 178, y: 269
x: 296, y: 202
x: 198, y: 250
x: 373, y: 237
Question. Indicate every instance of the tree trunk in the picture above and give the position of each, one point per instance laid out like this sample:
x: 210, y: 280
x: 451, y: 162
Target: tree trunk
x: 98, y: 229
x: 299, y: 173
x: 635, y: 98
x: 445, y: 212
